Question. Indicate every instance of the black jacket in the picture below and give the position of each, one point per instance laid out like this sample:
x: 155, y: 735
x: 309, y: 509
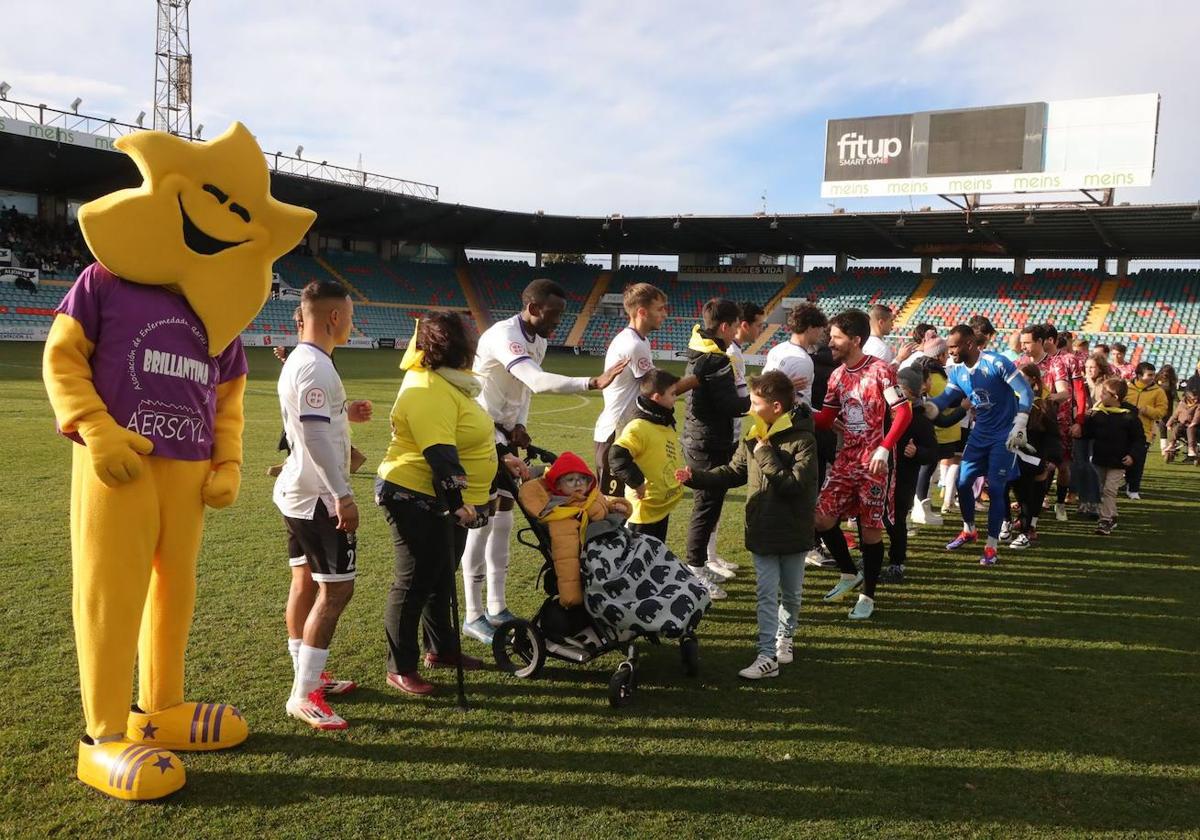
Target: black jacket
x: 781, y: 486
x: 712, y: 405
x: 1043, y: 433
x: 1113, y: 435
x: 919, y: 431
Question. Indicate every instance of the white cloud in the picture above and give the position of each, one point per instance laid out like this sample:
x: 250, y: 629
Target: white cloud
x: 591, y: 108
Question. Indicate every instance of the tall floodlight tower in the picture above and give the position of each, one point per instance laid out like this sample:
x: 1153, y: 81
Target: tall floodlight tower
x: 173, y: 69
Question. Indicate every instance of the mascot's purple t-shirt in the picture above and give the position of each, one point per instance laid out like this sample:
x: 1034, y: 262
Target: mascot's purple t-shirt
x: 151, y: 364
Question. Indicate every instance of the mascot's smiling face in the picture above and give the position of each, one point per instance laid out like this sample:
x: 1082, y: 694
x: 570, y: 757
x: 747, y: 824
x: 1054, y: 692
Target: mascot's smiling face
x: 203, y: 221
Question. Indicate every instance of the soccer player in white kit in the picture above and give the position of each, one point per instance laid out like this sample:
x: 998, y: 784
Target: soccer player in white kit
x: 508, y: 362
x: 882, y: 319
x: 646, y: 306
x: 313, y: 494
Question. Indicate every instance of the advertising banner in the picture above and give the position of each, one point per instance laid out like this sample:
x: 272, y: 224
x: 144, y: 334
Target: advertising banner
x: 5, y: 256
x: 11, y: 274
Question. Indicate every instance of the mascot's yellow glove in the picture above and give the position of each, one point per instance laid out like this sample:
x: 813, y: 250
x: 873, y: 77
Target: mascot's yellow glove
x: 221, y: 488
x: 116, y: 452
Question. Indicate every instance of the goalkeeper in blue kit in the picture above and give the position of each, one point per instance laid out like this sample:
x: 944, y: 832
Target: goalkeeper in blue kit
x: 1001, y: 398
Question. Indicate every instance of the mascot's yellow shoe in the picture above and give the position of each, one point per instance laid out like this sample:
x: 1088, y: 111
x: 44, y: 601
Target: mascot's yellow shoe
x: 189, y: 726
x: 130, y: 771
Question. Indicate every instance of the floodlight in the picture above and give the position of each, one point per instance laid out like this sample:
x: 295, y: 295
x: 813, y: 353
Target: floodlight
x: 299, y: 151
x: 199, y: 130
x: 141, y: 117
x: 775, y: 223
x: 5, y: 87
x: 75, y: 105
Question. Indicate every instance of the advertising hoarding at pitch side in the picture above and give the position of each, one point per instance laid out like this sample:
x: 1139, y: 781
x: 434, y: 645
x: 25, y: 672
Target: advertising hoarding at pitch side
x: 1038, y: 146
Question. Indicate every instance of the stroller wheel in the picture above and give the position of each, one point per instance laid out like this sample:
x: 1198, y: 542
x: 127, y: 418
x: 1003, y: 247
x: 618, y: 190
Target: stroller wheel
x: 689, y: 653
x: 519, y: 649
x: 620, y: 686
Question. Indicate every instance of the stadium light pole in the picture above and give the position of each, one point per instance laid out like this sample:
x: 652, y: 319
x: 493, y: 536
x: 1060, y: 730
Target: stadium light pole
x: 199, y: 131
x: 299, y: 152
x: 75, y: 105
x: 141, y: 118
x: 5, y: 87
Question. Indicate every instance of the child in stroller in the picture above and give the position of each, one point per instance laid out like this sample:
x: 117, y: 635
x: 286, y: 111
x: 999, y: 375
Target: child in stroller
x: 606, y: 585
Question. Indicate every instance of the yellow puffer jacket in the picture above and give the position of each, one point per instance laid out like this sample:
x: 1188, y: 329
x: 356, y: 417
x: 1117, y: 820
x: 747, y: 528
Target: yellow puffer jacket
x: 1151, y: 403
x: 567, y: 524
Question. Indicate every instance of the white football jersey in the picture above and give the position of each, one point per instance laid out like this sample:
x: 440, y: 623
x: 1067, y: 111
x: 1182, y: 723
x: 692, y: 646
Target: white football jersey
x: 502, y: 345
x: 309, y: 389
x: 877, y: 347
x: 794, y: 362
x: 620, y: 397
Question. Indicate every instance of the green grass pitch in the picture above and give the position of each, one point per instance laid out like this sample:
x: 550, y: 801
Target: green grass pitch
x: 1055, y: 694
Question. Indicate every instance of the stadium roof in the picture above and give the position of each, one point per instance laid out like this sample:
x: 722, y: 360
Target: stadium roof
x: 1138, y: 231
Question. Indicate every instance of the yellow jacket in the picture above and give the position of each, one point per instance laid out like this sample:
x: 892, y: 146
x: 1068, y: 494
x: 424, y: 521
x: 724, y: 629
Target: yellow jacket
x: 1151, y: 403
x: 567, y: 524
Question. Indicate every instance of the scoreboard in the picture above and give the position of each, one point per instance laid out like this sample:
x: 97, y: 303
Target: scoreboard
x: 1036, y: 146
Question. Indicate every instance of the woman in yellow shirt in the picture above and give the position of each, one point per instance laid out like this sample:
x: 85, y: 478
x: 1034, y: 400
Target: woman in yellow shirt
x: 434, y: 484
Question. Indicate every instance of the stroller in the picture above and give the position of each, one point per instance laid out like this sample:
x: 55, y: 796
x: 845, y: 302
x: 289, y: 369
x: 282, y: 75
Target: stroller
x: 634, y: 588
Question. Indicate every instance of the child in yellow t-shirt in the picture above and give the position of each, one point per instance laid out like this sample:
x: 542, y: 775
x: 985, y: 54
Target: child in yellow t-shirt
x: 647, y: 453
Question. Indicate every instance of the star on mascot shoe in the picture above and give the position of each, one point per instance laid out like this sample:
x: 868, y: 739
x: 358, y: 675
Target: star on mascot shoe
x: 145, y: 372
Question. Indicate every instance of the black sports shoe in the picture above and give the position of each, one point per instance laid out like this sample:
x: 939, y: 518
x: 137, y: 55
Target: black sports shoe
x: 892, y: 574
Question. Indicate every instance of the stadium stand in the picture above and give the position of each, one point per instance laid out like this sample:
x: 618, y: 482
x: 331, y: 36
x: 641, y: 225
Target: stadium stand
x: 1157, y: 300
x: 397, y: 281
x: 23, y: 308
x: 1060, y: 296
x: 58, y: 251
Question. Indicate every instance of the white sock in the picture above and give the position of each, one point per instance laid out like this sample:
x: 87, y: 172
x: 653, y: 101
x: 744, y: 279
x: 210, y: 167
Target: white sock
x: 969, y: 527
x: 497, y: 560
x: 1033, y: 522
x: 712, y: 545
x: 951, y: 485
x: 310, y: 662
x: 992, y: 542
x: 294, y: 650
x: 473, y: 570
x: 867, y: 598
x: 848, y: 577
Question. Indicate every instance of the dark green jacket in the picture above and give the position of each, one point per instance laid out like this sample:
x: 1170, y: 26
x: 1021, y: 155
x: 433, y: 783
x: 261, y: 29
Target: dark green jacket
x: 781, y: 485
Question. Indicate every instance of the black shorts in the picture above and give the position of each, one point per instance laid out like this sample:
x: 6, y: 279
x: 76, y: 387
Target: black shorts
x: 500, y: 486
x: 330, y: 553
x: 946, y: 451
x: 610, y: 485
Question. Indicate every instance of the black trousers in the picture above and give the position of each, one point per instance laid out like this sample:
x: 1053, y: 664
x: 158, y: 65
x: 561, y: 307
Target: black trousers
x: 610, y: 485
x: 652, y: 529
x: 428, y: 547
x: 905, y: 477
x: 1133, y: 474
x: 1030, y: 492
x: 707, y: 504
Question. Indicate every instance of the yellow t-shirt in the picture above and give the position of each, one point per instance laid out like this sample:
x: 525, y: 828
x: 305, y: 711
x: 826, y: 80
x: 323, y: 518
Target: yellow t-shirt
x: 949, y: 434
x: 430, y: 411
x: 655, y: 449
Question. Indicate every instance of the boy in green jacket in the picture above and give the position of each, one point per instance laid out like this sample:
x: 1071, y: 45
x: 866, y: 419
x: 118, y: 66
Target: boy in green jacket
x: 776, y: 460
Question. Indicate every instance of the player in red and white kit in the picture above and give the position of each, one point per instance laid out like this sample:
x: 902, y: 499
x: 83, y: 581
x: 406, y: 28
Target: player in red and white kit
x: 1062, y: 375
x: 862, y: 393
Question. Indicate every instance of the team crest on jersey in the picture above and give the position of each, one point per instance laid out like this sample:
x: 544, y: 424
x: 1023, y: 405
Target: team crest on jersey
x: 876, y: 490
x: 981, y: 398
x: 855, y: 417
x: 314, y: 398
x: 516, y: 348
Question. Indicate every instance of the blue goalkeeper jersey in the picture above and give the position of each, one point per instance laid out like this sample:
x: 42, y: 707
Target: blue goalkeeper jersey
x: 995, y: 388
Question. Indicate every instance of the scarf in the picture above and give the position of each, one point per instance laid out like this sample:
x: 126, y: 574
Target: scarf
x: 655, y: 413
x: 702, y: 343
x: 757, y: 427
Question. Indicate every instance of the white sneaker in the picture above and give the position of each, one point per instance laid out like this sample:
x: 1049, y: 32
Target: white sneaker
x: 722, y: 572
x: 1005, y: 531
x: 863, y: 609
x: 844, y: 585
x: 919, y: 511
x: 814, y: 558
x: 912, y: 532
x: 761, y: 667
x: 723, y: 563
x: 783, y: 651
x: 1060, y: 512
x: 1135, y: 496
x: 709, y: 581
x: 314, y: 711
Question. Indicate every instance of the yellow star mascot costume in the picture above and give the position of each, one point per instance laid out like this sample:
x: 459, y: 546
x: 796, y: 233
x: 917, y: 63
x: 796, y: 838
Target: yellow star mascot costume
x: 146, y: 373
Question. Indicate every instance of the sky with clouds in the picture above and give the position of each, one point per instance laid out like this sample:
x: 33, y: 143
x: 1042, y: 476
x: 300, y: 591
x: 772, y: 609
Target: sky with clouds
x: 592, y: 108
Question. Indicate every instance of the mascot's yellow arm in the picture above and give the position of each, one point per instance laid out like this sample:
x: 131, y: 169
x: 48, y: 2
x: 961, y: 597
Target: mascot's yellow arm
x: 221, y: 489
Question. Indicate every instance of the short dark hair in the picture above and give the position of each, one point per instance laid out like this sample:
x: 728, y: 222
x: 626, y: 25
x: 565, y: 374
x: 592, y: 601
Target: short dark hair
x: 541, y: 290
x: 879, y: 310
x: 1102, y: 348
x: 774, y: 386
x: 1040, y: 332
x: 804, y: 317
x: 1120, y: 348
x: 749, y: 311
x: 1142, y: 368
x: 965, y: 331
x: 318, y: 290
x: 918, y: 332
x: 1118, y: 386
x: 981, y: 325
x: 657, y: 381
x: 1050, y: 332
x: 853, y: 322
x: 1033, y: 372
x: 719, y: 311
x: 447, y: 340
